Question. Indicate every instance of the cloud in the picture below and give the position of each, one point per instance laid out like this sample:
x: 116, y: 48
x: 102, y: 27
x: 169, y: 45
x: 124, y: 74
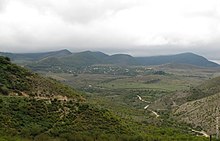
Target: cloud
x: 131, y: 26
x: 2, y: 5
x: 82, y: 11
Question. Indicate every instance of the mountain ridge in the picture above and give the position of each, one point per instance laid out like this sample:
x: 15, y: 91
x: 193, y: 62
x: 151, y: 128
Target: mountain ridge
x: 87, y: 58
x: 182, y: 58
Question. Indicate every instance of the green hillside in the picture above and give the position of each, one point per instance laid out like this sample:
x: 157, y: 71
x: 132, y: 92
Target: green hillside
x: 34, y: 107
x: 17, y: 81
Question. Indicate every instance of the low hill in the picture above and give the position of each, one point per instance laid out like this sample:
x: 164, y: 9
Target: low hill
x: 184, y: 58
x: 17, y: 81
x: 86, y: 58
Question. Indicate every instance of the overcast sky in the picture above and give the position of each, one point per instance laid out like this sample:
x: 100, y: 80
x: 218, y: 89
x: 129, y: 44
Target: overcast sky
x: 137, y: 27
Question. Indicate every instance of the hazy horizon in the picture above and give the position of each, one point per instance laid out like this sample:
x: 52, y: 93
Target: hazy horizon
x: 216, y: 61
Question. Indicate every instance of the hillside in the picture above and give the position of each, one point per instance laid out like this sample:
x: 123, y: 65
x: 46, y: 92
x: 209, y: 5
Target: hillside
x: 17, y: 81
x: 204, y: 90
x: 200, y: 113
x: 197, y: 107
x: 208, y: 88
x: 35, y: 107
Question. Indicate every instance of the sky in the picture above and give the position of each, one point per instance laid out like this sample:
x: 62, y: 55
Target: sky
x: 136, y: 27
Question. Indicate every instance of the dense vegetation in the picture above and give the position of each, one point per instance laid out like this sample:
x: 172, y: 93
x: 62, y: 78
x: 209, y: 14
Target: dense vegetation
x: 18, y: 81
x: 37, y: 108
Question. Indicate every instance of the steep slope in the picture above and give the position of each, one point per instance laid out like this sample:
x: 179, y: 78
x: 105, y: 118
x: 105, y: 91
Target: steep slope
x: 184, y: 58
x: 200, y: 113
x: 202, y: 107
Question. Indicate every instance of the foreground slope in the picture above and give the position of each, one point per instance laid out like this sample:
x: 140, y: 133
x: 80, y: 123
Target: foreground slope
x: 32, y: 106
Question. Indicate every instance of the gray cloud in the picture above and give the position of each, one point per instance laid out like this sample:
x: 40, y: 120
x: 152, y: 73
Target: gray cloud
x: 137, y: 27
x: 82, y: 11
x: 2, y: 5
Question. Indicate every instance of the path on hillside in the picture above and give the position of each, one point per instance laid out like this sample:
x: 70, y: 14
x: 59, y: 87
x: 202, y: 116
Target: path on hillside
x: 157, y: 115
x: 146, y: 107
x: 201, y: 132
x: 140, y: 98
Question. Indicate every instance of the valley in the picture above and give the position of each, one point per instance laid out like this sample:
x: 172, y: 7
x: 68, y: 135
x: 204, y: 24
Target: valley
x: 141, y: 96
x: 170, y: 101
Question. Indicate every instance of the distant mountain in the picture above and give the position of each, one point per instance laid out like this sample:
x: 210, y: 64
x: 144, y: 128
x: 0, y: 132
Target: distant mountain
x: 26, y: 57
x: 121, y: 59
x: 184, y: 58
x: 86, y: 58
